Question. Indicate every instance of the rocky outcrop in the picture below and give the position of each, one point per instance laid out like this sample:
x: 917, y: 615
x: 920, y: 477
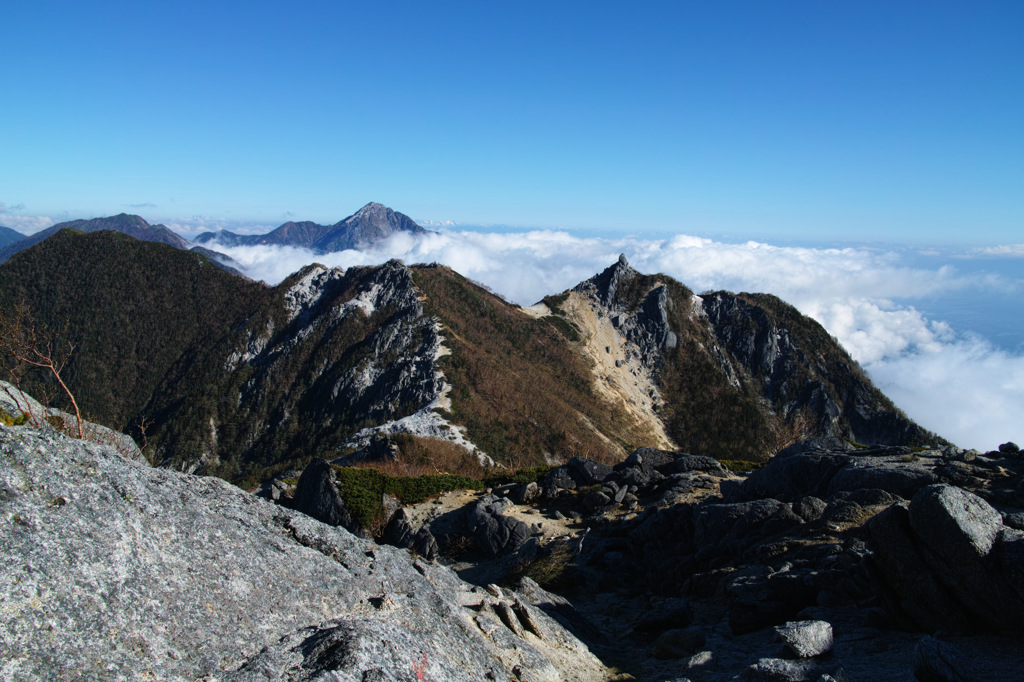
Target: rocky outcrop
x: 644, y: 323
x: 947, y: 562
x: 821, y: 473
x: 829, y: 560
x: 115, y: 570
x: 316, y: 495
x: 779, y: 368
x: 339, y: 360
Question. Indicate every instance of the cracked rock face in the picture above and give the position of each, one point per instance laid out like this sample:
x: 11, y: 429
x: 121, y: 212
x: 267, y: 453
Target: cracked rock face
x: 115, y: 570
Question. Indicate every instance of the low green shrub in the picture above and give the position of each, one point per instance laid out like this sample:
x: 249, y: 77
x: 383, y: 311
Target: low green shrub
x: 741, y: 464
x: 363, y: 490
x: 9, y: 420
x: 519, y: 476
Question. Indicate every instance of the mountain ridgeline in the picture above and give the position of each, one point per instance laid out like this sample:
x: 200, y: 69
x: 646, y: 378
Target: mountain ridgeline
x: 369, y: 224
x: 9, y: 236
x: 131, y: 225
x: 242, y: 380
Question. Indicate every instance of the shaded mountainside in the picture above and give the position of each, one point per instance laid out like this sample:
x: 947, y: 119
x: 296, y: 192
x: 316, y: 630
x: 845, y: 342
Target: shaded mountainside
x: 335, y: 357
x: 132, y: 309
x: 244, y: 381
x: 369, y: 224
x: 9, y: 236
x: 328, y: 353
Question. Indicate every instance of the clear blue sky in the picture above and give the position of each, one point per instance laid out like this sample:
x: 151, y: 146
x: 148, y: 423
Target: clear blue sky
x: 901, y: 121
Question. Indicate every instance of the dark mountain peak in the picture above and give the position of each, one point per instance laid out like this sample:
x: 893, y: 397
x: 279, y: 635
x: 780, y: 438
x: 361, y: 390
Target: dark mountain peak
x: 380, y: 217
x: 369, y: 224
x: 302, y: 224
x: 303, y: 233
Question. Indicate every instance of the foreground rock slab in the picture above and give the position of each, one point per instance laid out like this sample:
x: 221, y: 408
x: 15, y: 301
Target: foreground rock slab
x: 115, y: 570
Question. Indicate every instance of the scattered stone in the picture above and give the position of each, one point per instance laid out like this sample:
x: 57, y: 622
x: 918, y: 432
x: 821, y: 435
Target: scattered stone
x: 806, y: 638
x: 809, y: 508
x: 595, y: 501
x: 782, y: 670
x: 494, y: 532
x: 526, y: 493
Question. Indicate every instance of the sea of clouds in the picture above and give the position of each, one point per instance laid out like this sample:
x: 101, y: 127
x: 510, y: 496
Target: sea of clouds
x: 956, y: 384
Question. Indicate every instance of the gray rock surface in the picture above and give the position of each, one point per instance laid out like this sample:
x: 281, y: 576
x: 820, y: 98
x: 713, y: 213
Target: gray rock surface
x: 782, y: 670
x: 944, y: 562
x: 679, y: 642
x: 115, y: 570
x: 15, y: 402
x: 495, y: 534
x: 806, y: 638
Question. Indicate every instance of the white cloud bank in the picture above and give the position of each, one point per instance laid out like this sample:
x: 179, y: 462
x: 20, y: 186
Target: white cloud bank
x: 960, y: 387
x: 1003, y: 251
x: 26, y: 224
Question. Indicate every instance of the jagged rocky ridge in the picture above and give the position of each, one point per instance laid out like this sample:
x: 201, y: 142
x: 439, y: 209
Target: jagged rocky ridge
x: 333, y: 358
x: 327, y: 360
x: 115, y: 570
x: 735, y: 374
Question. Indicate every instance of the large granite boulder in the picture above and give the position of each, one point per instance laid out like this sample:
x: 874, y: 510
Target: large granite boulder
x: 317, y: 495
x: 948, y: 562
x: 494, y: 532
x: 115, y: 570
x: 798, y: 472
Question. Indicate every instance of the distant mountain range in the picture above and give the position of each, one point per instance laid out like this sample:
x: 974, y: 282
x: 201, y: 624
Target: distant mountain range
x: 9, y: 236
x: 131, y: 225
x: 368, y: 225
x: 242, y: 380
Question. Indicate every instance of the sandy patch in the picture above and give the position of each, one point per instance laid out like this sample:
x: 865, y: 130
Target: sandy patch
x: 619, y: 375
x: 537, y: 311
x: 543, y: 524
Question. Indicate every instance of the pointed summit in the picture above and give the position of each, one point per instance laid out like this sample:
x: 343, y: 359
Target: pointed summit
x: 369, y: 224
x: 607, y: 283
x: 372, y: 223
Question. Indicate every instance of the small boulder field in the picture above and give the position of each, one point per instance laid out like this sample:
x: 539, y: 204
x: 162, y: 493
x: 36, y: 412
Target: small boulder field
x: 829, y: 562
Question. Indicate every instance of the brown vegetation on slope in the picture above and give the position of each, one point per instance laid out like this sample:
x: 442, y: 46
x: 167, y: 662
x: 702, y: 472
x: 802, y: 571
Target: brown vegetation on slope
x: 519, y: 388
